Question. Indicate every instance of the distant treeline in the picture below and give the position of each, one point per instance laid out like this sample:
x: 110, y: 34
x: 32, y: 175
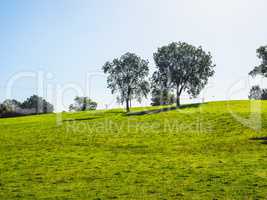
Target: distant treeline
x: 31, y: 106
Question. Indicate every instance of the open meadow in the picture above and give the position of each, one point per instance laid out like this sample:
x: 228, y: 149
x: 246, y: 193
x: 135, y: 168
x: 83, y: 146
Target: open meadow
x: 214, y: 150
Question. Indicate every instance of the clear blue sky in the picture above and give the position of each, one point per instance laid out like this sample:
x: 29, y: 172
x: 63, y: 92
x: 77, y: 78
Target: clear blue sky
x: 71, y: 38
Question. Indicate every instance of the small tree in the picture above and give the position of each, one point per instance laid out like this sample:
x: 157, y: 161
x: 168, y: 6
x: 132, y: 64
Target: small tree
x: 262, y: 68
x: 183, y: 67
x: 256, y: 92
x: 127, y: 77
x: 83, y: 104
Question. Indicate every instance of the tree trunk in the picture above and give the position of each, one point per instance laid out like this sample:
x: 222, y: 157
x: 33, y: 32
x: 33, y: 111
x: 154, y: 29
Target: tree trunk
x: 178, y: 99
x: 127, y: 105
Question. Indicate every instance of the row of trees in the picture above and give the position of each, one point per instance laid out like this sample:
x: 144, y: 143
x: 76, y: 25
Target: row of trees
x: 180, y: 67
x: 32, y: 105
x: 256, y: 92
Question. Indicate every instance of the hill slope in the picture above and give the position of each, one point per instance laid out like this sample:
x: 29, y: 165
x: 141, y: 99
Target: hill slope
x: 215, y: 150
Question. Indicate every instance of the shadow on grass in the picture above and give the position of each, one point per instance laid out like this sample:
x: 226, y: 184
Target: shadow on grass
x: 145, y: 112
x: 81, y: 119
x: 262, y: 139
x: 115, y: 112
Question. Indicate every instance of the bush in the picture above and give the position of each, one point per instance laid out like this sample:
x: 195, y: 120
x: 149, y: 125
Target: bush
x: 83, y: 104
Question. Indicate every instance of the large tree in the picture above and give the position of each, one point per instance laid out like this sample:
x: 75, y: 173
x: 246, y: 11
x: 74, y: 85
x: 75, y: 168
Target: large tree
x: 183, y: 67
x: 262, y: 68
x: 127, y: 76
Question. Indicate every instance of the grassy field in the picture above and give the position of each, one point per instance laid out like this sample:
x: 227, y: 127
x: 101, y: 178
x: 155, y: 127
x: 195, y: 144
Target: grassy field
x: 214, y: 150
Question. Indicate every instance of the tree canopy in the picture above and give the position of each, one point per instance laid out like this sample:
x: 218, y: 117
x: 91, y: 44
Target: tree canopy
x: 127, y: 76
x: 183, y: 67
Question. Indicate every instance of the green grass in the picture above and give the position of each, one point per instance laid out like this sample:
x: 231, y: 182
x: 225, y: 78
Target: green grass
x: 197, y: 152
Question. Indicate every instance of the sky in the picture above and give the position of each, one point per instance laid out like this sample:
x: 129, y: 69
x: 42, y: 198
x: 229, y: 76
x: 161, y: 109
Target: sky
x: 57, y: 48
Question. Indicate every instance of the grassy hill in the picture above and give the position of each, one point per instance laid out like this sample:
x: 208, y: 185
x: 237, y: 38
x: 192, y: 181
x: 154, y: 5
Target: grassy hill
x: 214, y: 150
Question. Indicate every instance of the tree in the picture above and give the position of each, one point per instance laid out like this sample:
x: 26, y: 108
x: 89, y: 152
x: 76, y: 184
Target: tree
x: 83, y: 104
x: 127, y: 77
x: 257, y: 93
x: 183, y: 67
x: 262, y: 68
x: 10, y: 107
x: 37, y: 105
